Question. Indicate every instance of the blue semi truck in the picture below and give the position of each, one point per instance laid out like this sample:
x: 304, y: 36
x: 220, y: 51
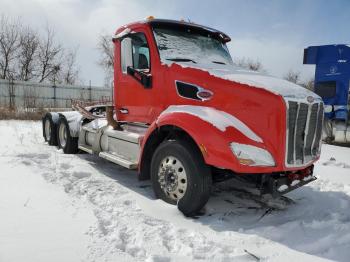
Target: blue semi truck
x: 332, y: 81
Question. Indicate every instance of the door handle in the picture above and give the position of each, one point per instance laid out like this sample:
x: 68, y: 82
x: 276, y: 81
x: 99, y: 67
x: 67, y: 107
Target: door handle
x: 124, y: 111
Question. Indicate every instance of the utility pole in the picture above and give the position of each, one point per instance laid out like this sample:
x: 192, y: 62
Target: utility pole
x: 56, y: 69
x: 11, y: 93
x: 90, y: 91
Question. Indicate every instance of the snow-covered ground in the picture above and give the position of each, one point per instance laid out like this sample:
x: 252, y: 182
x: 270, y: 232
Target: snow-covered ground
x: 56, y: 207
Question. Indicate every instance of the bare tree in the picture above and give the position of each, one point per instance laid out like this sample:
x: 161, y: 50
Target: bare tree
x: 248, y: 63
x: 292, y: 76
x: 106, y: 48
x: 70, y: 72
x: 28, y: 47
x: 308, y: 84
x: 9, y: 36
x: 30, y: 98
x: 49, y: 56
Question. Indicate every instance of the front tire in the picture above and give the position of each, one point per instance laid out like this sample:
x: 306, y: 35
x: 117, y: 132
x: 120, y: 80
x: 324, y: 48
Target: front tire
x: 68, y: 143
x: 180, y: 176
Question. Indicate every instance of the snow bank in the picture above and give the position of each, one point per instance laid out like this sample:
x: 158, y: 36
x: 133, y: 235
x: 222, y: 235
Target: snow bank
x: 39, y: 221
x: 93, y: 210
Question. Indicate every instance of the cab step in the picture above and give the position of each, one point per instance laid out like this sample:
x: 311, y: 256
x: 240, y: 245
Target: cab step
x: 118, y: 160
x: 86, y: 148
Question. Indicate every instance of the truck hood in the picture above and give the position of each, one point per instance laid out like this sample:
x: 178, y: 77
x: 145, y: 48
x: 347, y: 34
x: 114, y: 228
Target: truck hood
x: 239, y: 75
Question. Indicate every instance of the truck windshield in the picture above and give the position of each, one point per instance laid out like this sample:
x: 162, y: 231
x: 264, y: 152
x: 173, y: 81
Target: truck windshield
x: 191, y: 47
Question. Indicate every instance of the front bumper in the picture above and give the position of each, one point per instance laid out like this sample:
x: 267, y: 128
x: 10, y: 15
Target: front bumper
x: 278, y: 185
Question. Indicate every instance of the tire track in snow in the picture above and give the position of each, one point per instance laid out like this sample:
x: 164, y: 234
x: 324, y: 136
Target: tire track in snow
x: 131, y: 226
x: 122, y: 226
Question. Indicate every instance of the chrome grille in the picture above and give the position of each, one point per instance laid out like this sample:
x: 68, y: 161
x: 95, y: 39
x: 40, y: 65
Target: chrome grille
x: 303, y: 132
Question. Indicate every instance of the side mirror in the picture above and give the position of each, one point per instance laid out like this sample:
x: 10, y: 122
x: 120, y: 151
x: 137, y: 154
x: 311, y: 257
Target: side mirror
x: 126, y: 58
x: 142, y: 77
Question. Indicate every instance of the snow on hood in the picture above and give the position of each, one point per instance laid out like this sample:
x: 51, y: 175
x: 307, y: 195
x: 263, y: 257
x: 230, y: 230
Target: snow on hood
x: 274, y: 85
x: 255, y: 79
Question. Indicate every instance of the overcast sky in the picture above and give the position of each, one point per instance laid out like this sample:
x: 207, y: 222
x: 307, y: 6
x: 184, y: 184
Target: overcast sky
x: 275, y: 32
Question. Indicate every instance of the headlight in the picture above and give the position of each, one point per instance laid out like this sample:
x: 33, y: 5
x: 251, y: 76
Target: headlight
x: 252, y: 155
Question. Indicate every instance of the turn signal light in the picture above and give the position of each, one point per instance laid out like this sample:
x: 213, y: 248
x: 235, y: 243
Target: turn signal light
x: 246, y: 162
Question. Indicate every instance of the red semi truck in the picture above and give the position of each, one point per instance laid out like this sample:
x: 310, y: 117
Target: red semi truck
x: 184, y: 116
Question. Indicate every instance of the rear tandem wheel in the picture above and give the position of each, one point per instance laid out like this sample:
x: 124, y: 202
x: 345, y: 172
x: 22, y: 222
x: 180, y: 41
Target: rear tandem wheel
x: 68, y: 143
x: 49, y: 130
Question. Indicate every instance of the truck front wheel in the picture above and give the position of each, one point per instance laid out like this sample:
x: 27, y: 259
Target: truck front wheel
x: 180, y: 176
x: 68, y: 143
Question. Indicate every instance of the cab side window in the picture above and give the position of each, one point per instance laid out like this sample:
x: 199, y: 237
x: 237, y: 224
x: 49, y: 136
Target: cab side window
x: 140, y: 57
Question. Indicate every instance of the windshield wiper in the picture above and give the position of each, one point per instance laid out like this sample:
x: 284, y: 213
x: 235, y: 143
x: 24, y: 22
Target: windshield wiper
x: 181, y: 60
x: 218, y: 62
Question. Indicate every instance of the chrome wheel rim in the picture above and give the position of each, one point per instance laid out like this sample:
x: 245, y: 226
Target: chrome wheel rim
x: 62, y: 134
x: 172, y: 178
x: 47, y: 129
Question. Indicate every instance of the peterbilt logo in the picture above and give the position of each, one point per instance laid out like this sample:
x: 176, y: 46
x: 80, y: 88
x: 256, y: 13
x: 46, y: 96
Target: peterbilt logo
x: 333, y: 69
x: 310, y: 99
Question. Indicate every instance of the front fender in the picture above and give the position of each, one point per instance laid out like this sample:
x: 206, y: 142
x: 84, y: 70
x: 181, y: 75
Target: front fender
x: 211, y: 136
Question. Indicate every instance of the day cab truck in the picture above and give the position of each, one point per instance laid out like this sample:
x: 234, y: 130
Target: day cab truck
x: 332, y: 84
x: 184, y: 116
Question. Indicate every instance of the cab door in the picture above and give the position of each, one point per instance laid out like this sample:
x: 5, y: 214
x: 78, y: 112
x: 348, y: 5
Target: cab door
x: 134, y: 81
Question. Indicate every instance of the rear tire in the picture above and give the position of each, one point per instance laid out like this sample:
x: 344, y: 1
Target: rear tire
x: 68, y: 143
x: 180, y: 176
x: 49, y: 130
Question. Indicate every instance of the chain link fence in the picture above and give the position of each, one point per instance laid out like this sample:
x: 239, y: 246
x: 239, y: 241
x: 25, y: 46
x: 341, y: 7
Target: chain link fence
x: 29, y: 95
